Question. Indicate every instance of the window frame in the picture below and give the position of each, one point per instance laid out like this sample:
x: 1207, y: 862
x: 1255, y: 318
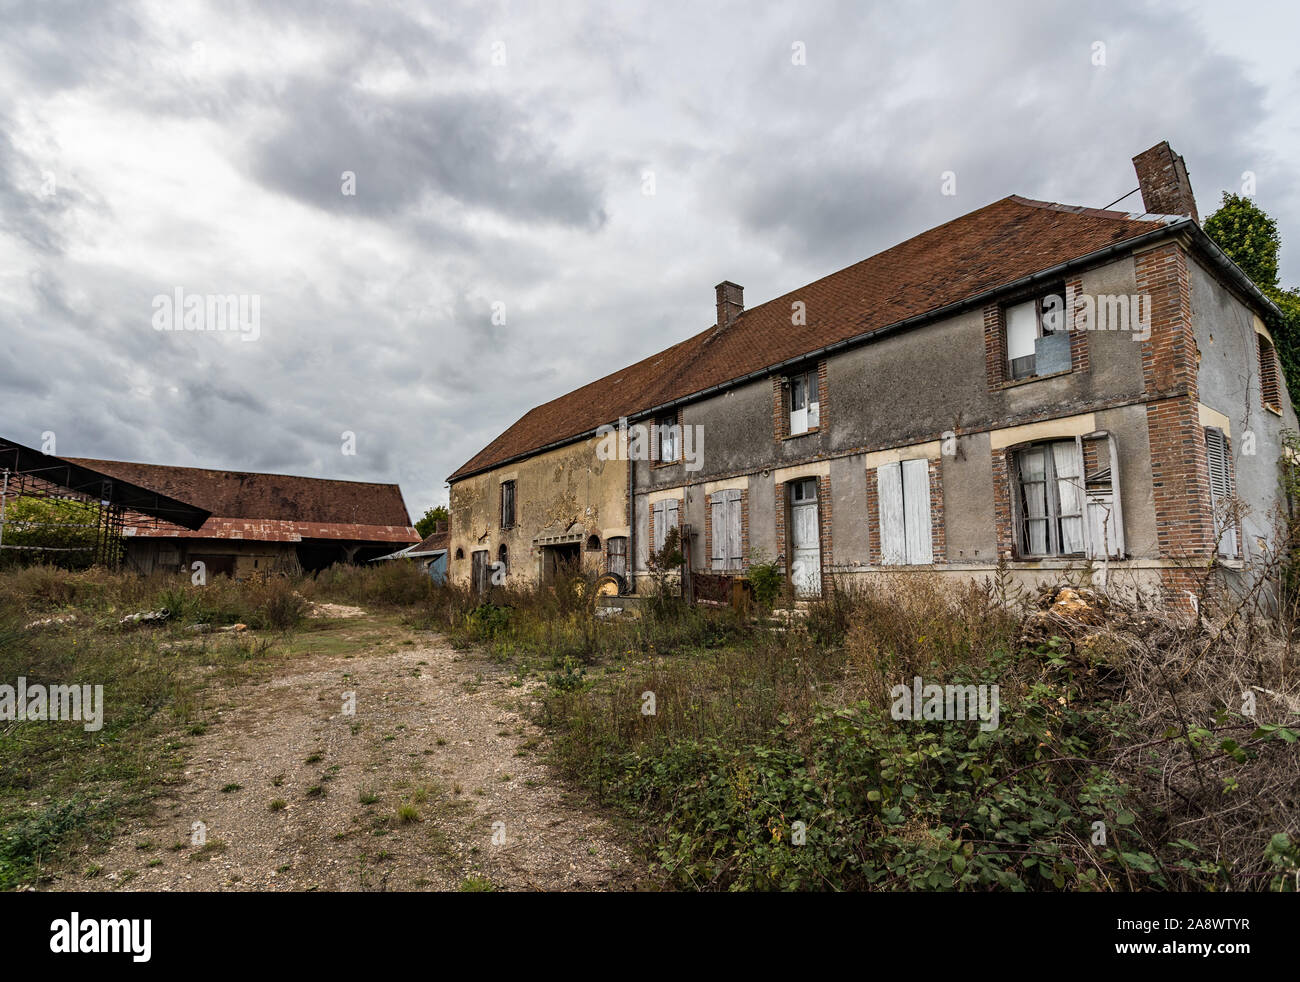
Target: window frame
x: 1090, y: 497
x: 1038, y: 299
x: 509, y: 492
x: 808, y: 381
x: 670, y: 427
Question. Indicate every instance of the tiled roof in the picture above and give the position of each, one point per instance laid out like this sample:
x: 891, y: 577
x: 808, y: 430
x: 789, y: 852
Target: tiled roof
x: 966, y: 257
x: 271, y: 507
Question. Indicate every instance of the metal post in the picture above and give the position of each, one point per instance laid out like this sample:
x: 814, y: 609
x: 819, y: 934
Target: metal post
x: 4, y: 499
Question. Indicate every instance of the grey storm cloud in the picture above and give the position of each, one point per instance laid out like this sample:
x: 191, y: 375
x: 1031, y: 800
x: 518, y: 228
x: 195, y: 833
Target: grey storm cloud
x: 474, y: 148
x: 204, y: 147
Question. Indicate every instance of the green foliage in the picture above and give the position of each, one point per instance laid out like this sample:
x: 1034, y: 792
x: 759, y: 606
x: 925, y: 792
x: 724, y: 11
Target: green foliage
x: 487, y: 620
x: 767, y: 577
x: 66, y: 528
x: 1248, y: 235
x: 431, y: 517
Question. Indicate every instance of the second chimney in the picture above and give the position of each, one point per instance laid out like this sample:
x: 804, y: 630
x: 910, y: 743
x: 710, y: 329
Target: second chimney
x: 1162, y: 177
x: 731, y: 303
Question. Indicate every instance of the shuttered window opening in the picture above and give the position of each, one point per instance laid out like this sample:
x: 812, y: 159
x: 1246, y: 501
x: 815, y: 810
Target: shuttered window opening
x: 805, y: 408
x: 726, y: 530
x: 665, y: 518
x: 1067, y: 500
x: 617, y: 546
x: 1269, y: 386
x: 1221, y: 490
x: 507, y: 504
x: 904, y: 496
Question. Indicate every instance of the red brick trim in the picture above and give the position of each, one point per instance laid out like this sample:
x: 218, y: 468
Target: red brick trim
x: 938, y: 535
x: 1180, y: 470
x: 823, y: 397
x: 780, y: 418
x: 873, y: 517
x: 1002, y: 512
x: 995, y: 346
x: 1080, y: 360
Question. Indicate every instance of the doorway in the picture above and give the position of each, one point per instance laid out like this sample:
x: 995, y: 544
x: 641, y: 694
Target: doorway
x: 805, y: 539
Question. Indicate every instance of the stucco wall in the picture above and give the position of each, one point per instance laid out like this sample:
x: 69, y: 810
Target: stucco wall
x: 553, y: 492
x: 1229, y: 384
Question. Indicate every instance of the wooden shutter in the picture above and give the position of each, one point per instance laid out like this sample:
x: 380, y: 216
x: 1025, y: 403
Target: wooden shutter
x: 916, y: 512
x: 1216, y: 450
x: 734, y: 537
x: 893, y: 540
x: 1269, y: 389
x: 718, y: 522
x: 660, y: 510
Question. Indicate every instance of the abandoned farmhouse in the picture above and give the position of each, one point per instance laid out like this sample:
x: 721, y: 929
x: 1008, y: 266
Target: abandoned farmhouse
x: 1036, y: 383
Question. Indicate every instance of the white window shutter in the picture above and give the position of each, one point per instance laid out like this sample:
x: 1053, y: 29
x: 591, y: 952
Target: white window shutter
x: 893, y: 542
x: 718, y: 518
x: 670, y: 514
x: 660, y: 527
x: 734, y: 538
x: 1216, y: 450
x: 916, y: 512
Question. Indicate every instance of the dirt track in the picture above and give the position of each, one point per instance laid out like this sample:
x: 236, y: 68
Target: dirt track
x: 433, y: 732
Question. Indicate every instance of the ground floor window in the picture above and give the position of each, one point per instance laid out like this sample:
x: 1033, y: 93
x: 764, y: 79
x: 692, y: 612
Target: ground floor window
x: 904, y: 497
x: 1067, y: 498
x: 726, y: 531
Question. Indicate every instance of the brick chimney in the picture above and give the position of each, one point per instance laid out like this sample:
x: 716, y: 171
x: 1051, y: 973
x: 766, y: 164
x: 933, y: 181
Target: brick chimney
x: 731, y: 303
x: 1162, y: 176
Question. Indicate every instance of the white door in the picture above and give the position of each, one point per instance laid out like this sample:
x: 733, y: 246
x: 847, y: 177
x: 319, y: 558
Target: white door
x: 805, y: 539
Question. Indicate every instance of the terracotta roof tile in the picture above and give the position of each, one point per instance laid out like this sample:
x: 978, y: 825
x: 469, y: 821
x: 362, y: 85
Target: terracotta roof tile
x: 998, y: 244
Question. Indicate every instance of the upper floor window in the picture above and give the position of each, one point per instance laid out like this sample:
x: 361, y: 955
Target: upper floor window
x: 1269, y: 386
x: 805, y: 410
x: 1037, y: 342
x: 507, y: 504
x: 670, y: 439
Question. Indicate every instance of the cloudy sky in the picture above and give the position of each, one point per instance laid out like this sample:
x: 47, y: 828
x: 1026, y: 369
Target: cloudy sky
x: 502, y: 154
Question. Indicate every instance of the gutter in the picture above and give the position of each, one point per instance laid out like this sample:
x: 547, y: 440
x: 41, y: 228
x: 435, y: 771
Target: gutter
x: 1183, y: 224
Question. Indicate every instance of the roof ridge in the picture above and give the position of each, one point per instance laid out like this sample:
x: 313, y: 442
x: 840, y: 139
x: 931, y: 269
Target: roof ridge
x: 219, y: 470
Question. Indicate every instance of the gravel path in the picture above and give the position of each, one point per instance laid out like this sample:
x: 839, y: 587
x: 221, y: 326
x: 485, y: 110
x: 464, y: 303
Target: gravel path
x: 434, y: 782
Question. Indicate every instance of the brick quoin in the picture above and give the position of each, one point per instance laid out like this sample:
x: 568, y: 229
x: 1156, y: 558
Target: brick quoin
x: 1080, y: 361
x: 824, y: 520
x: 873, y: 518
x: 1002, y: 504
x: 995, y: 346
x: 1180, y: 472
x: 938, y: 536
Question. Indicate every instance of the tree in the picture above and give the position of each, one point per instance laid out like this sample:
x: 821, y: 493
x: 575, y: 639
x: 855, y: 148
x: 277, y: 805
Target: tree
x: 431, y: 517
x: 1250, y: 238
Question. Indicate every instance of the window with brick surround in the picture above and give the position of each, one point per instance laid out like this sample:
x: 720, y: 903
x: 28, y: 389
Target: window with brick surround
x: 727, y: 531
x: 664, y: 515
x: 507, y: 504
x: 804, y: 403
x: 1269, y: 386
x: 1219, y: 455
x: 668, y: 439
x: 1066, y: 498
x: 903, y: 493
x: 1037, y: 342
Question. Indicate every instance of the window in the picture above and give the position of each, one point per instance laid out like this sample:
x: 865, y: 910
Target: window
x: 1037, y: 342
x: 460, y: 553
x: 727, y: 530
x: 1067, y: 499
x: 805, y: 410
x: 1269, y: 388
x: 665, y: 518
x: 503, y: 558
x: 904, y: 496
x: 670, y: 437
x: 1221, y: 490
x: 507, y: 504
x: 617, y: 554
x: 593, y: 543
